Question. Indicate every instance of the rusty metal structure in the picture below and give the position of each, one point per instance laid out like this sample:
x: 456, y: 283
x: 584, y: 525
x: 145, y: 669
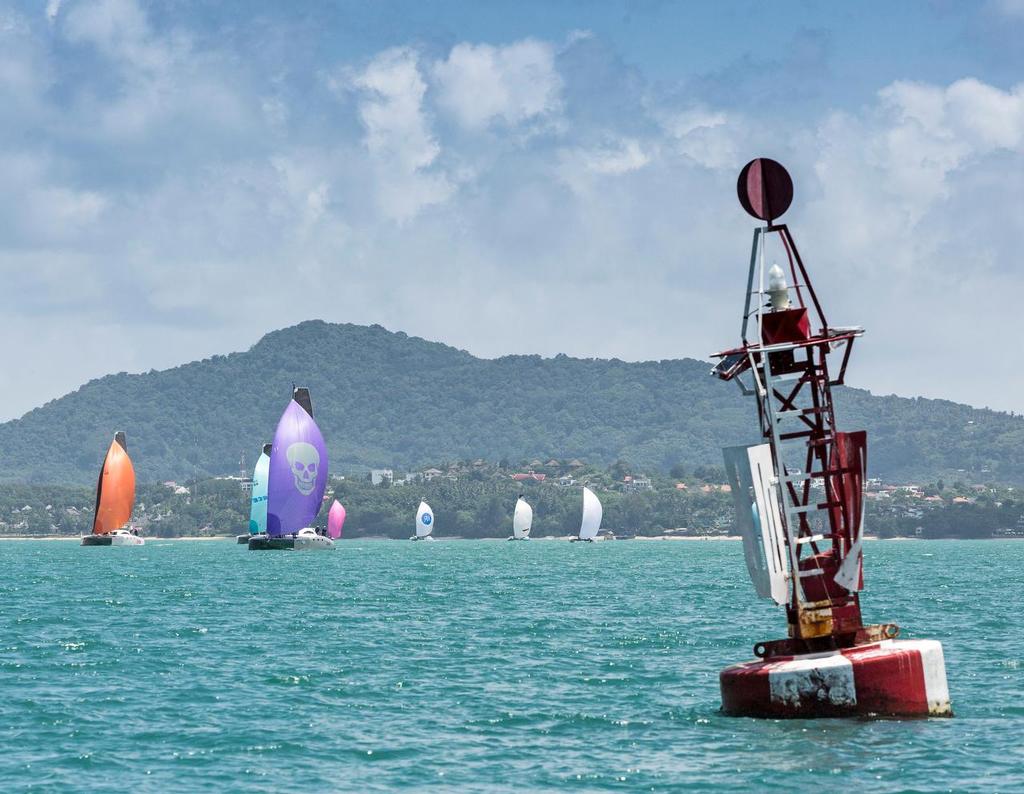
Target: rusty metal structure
x: 810, y: 479
x: 799, y: 497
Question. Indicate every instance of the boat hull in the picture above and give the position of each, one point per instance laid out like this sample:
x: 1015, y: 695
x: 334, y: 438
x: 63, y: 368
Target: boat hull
x: 892, y: 678
x: 243, y: 539
x: 113, y: 539
x: 424, y: 537
x: 290, y: 543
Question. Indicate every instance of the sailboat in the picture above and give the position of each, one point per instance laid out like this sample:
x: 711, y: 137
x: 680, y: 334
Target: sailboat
x: 296, y: 481
x: 592, y: 513
x: 258, y: 501
x: 335, y: 520
x: 115, y: 497
x: 424, y: 522
x: 522, y: 520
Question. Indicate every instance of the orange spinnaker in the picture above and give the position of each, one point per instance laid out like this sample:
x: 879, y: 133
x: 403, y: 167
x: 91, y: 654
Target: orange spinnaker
x: 115, y: 491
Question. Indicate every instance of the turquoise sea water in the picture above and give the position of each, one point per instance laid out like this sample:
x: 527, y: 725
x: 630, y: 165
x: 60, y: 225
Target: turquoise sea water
x: 476, y: 665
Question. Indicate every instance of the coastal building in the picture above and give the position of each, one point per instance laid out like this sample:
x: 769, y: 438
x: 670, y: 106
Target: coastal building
x: 529, y: 476
x: 430, y: 474
x: 378, y: 476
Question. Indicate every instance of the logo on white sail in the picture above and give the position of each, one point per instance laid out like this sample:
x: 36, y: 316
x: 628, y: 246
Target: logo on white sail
x: 426, y: 518
x: 304, y: 461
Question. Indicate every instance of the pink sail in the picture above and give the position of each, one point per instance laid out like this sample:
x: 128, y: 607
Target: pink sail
x: 335, y: 519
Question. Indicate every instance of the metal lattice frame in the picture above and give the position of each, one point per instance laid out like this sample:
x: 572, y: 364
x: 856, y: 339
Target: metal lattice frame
x: 795, y: 408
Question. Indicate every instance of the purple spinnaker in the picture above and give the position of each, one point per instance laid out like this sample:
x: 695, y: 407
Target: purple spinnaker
x: 298, y: 470
x: 335, y: 518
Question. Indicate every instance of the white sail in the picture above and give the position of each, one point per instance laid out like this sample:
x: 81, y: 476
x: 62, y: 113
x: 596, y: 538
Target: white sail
x: 424, y: 520
x: 522, y: 520
x: 592, y: 513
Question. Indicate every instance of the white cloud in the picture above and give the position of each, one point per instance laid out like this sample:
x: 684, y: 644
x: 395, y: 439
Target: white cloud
x: 581, y: 167
x: 708, y: 137
x: 392, y: 110
x: 398, y: 136
x: 894, y: 165
x: 480, y: 83
x: 163, y: 83
x: 119, y: 29
x: 52, y: 10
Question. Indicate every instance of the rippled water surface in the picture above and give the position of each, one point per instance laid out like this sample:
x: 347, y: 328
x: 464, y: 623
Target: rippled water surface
x: 480, y: 665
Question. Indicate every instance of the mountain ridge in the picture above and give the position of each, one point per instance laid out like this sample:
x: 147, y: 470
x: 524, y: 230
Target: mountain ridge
x: 385, y: 399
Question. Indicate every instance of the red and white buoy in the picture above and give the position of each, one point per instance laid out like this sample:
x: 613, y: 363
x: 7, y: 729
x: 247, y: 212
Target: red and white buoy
x: 799, y: 498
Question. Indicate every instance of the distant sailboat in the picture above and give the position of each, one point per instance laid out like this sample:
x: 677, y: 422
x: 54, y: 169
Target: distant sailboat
x: 115, y: 498
x: 592, y: 513
x: 258, y: 500
x: 335, y: 520
x: 296, y: 481
x: 522, y: 520
x: 424, y: 522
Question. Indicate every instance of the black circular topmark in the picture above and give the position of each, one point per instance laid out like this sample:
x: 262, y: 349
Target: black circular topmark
x: 765, y: 189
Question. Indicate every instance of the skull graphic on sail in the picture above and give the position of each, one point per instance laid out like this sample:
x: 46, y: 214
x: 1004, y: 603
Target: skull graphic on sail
x: 304, y: 461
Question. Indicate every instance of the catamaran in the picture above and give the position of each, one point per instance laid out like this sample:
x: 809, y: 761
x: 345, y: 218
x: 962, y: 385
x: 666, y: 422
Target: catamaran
x: 115, y: 497
x: 296, y: 481
x: 258, y: 501
x: 522, y: 520
x: 424, y: 523
x: 335, y: 520
x: 592, y: 512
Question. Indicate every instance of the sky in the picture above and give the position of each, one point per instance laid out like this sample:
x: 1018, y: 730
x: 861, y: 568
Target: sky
x: 179, y: 178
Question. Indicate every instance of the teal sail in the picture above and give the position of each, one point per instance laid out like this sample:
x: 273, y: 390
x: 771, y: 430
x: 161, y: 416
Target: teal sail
x: 260, y: 482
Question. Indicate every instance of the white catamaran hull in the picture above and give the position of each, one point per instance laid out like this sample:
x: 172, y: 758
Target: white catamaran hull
x: 306, y: 540
x: 312, y: 542
x: 118, y: 538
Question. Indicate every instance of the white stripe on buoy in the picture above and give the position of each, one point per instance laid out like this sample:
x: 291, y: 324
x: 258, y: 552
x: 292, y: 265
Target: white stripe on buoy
x: 815, y: 677
x: 935, y: 686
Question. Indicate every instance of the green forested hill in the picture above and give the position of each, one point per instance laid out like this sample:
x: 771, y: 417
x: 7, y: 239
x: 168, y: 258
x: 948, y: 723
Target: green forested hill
x: 385, y: 399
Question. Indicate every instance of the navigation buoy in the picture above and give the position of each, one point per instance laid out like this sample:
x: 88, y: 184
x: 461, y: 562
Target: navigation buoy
x: 799, y: 497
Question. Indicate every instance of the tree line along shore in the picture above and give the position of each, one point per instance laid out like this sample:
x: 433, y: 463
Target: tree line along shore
x: 474, y: 499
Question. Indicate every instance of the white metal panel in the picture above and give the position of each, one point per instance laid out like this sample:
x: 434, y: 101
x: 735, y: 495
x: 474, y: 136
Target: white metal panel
x: 755, y: 495
x: 773, y: 530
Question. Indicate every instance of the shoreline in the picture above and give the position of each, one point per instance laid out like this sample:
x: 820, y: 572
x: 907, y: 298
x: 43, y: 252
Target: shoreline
x: 561, y: 538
